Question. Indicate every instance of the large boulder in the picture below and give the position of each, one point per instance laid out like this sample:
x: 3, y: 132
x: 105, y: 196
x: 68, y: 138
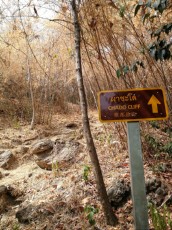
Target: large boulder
x: 41, y: 146
x: 157, y: 192
x: 35, y: 213
x: 61, y: 153
x: 119, y: 193
x: 6, y: 158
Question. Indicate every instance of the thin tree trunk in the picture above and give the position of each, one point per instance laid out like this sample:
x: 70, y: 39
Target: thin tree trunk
x: 110, y: 216
x: 32, y: 125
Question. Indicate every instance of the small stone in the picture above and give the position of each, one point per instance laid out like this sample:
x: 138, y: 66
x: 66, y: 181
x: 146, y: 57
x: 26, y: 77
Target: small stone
x: 7, y: 174
x: 160, y: 191
x: 152, y: 185
x: 3, y: 190
x: 30, y: 174
x: 41, y: 146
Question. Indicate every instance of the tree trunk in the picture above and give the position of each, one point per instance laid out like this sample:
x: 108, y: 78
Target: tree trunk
x: 32, y: 125
x: 110, y: 216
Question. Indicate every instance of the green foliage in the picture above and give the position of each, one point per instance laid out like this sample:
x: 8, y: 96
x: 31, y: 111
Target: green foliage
x: 86, y: 172
x: 168, y: 148
x: 126, y: 69
x: 167, y: 130
x: 16, y: 226
x: 160, y: 49
x: 161, y: 219
x: 154, y: 124
x: 163, y: 29
x: 90, y: 212
x: 153, y: 143
x: 158, y: 147
x: 161, y: 167
x: 158, y: 5
x: 122, y: 11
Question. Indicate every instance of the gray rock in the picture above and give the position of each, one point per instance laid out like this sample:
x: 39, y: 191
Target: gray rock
x: 41, y: 146
x: 32, y: 213
x: 118, y: 193
x: 24, y: 215
x: 6, y: 158
x: 152, y: 185
x: 156, y: 191
x: 62, y: 152
x: 3, y: 190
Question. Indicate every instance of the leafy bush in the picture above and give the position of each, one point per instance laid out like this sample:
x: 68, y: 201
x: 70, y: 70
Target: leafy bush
x: 86, y: 172
x: 153, y: 143
x: 159, y: 49
x: 168, y: 148
x: 154, y: 124
x: 91, y: 211
x: 160, y: 218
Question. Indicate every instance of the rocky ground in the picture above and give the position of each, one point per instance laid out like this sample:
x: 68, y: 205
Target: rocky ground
x: 46, y: 178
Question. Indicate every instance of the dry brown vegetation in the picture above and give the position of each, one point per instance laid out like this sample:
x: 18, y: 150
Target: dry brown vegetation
x: 37, y: 72
x: 112, y: 39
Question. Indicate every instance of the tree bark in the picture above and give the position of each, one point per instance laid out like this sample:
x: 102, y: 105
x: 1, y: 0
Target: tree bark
x: 32, y: 125
x: 111, y: 219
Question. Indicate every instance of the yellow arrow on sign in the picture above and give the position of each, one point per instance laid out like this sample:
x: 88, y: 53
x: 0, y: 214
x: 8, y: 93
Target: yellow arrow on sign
x: 154, y: 102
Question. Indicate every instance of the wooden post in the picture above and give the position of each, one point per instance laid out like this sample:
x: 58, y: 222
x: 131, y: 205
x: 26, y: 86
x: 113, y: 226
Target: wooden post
x: 137, y: 177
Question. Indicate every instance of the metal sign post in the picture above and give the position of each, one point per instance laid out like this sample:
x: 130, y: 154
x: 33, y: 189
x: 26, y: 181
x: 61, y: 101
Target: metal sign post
x: 133, y: 105
x: 137, y: 177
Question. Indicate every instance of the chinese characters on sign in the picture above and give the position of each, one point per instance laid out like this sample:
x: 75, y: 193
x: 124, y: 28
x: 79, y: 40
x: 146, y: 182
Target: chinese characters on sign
x: 132, y: 105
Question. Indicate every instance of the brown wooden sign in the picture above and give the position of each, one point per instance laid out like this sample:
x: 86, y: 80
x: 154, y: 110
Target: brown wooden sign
x: 132, y: 105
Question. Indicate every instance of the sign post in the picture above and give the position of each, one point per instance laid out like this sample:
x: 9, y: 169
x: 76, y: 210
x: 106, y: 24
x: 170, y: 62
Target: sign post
x: 137, y: 177
x: 134, y: 105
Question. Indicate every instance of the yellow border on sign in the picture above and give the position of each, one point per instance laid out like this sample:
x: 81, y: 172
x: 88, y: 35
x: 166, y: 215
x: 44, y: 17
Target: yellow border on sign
x: 134, y: 89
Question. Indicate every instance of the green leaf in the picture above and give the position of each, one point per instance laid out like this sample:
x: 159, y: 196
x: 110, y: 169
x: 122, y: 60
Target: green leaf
x: 118, y: 73
x: 126, y: 69
x: 122, y: 11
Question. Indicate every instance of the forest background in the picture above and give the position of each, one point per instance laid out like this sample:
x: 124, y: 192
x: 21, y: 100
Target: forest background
x: 124, y: 44
x: 122, y: 47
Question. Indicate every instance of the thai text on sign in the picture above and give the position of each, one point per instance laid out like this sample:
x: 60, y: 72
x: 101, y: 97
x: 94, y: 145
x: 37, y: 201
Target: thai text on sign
x: 133, y: 104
